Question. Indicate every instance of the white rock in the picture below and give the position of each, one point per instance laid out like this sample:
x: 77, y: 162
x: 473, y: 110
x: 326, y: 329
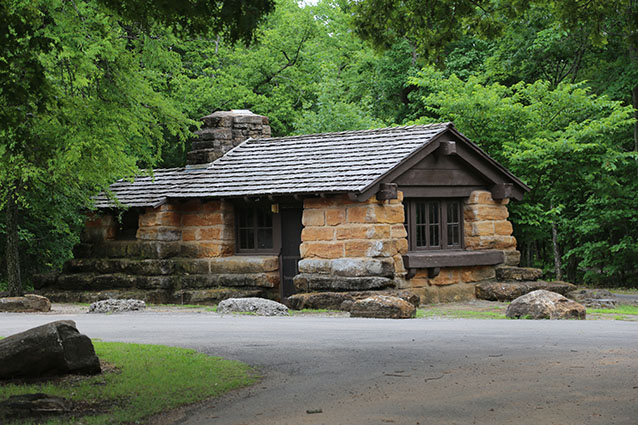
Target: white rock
x: 116, y: 306
x: 258, y: 306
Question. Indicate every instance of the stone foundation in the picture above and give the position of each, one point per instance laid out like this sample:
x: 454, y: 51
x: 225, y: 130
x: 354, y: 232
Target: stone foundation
x: 183, y: 252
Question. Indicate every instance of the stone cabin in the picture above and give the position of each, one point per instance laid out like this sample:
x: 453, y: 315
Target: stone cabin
x: 418, y: 208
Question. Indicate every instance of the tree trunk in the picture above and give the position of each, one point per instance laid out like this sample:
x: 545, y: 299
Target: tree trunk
x: 634, y: 95
x: 13, y: 257
x: 633, y: 58
x: 557, y: 260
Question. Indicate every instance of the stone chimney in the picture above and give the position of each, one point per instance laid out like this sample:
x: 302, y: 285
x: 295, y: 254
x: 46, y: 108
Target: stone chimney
x: 222, y: 131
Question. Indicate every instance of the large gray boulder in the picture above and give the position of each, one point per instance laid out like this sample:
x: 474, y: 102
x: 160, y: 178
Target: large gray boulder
x: 544, y: 305
x: 29, y: 303
x: 52, y: 349
x: 258, y: 306
x: 383, y: 307
x: 116, y: 306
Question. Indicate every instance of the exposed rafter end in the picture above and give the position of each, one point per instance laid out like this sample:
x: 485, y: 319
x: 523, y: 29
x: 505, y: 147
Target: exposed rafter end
x: 502, y: 191
x: 387, y: 191
x: 447, y: 148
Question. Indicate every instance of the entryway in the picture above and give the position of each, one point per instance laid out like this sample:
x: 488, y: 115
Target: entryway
x: 291, y: 228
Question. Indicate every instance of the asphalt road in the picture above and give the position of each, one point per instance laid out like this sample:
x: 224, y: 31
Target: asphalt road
x: 368, y: 371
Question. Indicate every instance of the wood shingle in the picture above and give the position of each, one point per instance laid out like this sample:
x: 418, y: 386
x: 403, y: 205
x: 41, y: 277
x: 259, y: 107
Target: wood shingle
x: 344, y: 162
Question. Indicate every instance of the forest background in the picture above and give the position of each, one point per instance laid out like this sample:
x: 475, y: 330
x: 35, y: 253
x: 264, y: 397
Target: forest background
x: 95, y: 90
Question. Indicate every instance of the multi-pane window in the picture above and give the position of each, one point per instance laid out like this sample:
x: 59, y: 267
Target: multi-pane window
x: 434, y: 224
x: 254, y: 229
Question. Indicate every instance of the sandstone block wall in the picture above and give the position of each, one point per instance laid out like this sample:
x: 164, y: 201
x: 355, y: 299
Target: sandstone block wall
x: 349, y: 245
x: 183, y: 252
x: 487, y: 227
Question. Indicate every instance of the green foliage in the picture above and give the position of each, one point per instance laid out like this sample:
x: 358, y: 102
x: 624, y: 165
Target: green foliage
x: 147, y: 380
x: 83, y: 104
x: 572, y: 147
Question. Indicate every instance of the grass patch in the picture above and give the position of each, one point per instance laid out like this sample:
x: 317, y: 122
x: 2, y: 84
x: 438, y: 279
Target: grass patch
x: 458, y: 314
x: 625, y: 291
x: 147, y: 379
x: 190, y: 306
x: 621, y: 309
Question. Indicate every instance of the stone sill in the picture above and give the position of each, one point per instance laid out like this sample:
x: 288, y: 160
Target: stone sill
x: 434, y: 260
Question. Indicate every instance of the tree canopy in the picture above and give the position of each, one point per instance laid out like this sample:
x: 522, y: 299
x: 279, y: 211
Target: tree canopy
x: 94, y: 90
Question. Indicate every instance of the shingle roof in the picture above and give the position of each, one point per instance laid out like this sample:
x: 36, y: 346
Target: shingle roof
x: 348, y: 161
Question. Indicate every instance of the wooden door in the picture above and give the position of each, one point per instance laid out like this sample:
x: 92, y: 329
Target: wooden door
x: 290, y: 240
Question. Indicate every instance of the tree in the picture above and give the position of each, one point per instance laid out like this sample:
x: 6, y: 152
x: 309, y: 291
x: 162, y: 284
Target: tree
x: 539, y: 39
x: 572, y: 147
x: 78, y: 107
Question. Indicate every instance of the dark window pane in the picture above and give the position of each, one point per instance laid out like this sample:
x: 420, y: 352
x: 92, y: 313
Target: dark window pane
x: 264, y: 239
x: 453, y: 224
x: 246, y: 238
x: 433, y: 214
x: 245, y: 218
x: 421, y: 238
x: 264, y: 218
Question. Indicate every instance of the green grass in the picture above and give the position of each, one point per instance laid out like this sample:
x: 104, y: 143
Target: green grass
x: 202, y: 307
x: 627, y: 291
x: 621, y: 309
x: 458, y: 314
x: 149, y: 379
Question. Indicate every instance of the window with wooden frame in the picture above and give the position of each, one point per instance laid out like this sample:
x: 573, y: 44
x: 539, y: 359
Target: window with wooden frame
x: 434, y: 224
x: 256, y: 229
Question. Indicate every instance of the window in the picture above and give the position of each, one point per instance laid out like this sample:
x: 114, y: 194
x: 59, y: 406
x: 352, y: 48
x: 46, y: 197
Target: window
x: 127, y: 225
x: 254, y: 226
x: 434, y: 224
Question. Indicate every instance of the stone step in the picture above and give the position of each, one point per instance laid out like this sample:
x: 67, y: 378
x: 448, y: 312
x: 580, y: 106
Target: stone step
x: 510, y: 290
x: 99, y: 282
x: 505, y: 273
x: 195, y: 296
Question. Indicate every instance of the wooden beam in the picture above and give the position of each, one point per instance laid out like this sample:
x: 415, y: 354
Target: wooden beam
x: 433, y: 259
x: 439, y: 191
x: 447, y: 148
x: 502, y: 191
x: 387, y: 191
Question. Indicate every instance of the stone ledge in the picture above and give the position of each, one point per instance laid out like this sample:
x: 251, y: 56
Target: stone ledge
x: 306, y: 282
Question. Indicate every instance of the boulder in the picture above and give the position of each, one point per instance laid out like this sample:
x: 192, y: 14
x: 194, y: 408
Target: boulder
x: 28, y: 304
x: 557, y: 286
x: 508, y: 291
x: 258, y: 306
x: 500, y: 291
x: 32, y: 406
x: 543, y: 304
x: 51, y: 349
x: 518, y: 273
x: 593, y: 298
x: 116, y: 306
x: 383, y: 307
